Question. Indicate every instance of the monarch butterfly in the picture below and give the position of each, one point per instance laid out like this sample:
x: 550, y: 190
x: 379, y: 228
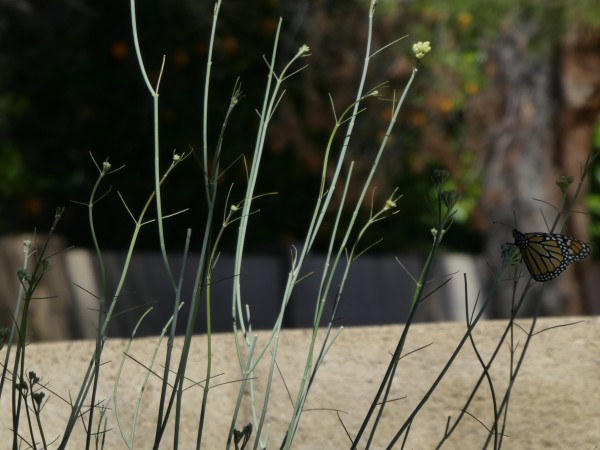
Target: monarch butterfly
x: 547, y: 255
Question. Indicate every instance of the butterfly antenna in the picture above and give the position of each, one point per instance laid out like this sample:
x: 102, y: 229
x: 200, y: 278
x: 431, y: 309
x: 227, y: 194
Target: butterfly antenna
x: 501, y: 223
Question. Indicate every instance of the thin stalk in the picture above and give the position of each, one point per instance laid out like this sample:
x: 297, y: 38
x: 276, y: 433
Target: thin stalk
x: 265, y: 115
x: 100, y: 338
x: 29, y: 422
x: 508, y: 330
x: 177, y: 391
x: 485, y: 368
x: 241, y: 391
x: 29, y: 283
x: 446, y: 201
x: 129, y: 440
x: 93, y: 371
x: 297, y: 262
x: 315, y: 225
x: 386, y: 383
x: 101, y: 317
x: 267, y: 390
x: 495, y: 353
x: 102, y: 326
x: 206, y: 387
x: 38, y: 419
x: 211, y: 46
x: 171, y: 339
x: 445, y: 369
x: 157, y: 187
x: 13, y: 325
x: 504, y: 404
x: 311, y: 372
x: 212, y: 260
x: 154, y: 93
x: 271, y: 100
x: 204, y: 265
x: 513, y: 376
x: 302, y: 392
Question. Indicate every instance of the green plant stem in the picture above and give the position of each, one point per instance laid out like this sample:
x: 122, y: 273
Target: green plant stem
x: 211, y: 192
x: 204, y: 265
x: 177, y: 390
x: 177, y: 306
x: 238, y: 403
x: 509, y: 328
x: 154, y: 93
x: 484, y: 366
x: 503, y: 405
x: 206, y: 387
x: 513, y: 373
x: 318, y: 215
x: 444, y: 222
x: 100, y: 337
x: 211, y: 46
x: 386, y: 383
x: 29, y: 423
x: 271, y: 100
x: 213, y: 257
x: 425, y: 273
x: 328, y: 272
x: 315, y: 225
x: 567, y: 213
x: 102, y: 326
x: 19, y: 364
x: 129, y: 440
x: 157, y: 185
x: 445, y: 369
x: 488, y: 366
x: 157, y: 190
x: 13, y: 325
x: 38, y: 420
x: 297, y: 262
x: 265, y: 115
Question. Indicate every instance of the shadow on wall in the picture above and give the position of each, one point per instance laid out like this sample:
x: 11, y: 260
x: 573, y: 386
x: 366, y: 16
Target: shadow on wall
x: 378, y: 291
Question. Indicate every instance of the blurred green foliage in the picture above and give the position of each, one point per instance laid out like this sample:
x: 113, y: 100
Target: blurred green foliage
x: 592, y: 201
x: 70, y: 85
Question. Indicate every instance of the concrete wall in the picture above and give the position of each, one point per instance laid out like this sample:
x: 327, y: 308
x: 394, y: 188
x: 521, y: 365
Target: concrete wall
x: 555, y: 401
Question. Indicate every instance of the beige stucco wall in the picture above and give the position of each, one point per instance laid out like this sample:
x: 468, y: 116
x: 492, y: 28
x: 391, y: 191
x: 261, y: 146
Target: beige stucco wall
x: 555, y: 402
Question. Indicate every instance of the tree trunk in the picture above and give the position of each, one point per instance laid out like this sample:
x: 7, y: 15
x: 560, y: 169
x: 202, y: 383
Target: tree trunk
x: 534, y: 139
x: 580, y: 106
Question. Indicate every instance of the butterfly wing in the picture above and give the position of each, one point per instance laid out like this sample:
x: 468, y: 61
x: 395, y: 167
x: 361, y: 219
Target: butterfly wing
x: 543, y: 256
x: 548, y: 255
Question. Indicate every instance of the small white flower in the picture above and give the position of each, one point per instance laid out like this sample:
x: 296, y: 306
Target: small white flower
x: 389, y: 204
x: 234, y: 208
x: 176, y: 157
x: 434, y: 233
x: 304, y: 49
x: 105, y: 166
x: 420, y: 49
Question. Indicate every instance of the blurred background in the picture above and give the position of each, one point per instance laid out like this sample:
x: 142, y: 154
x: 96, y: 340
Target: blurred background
x: 507, y: 102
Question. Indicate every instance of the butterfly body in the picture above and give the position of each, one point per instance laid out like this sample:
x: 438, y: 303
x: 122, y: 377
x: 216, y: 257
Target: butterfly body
x: 547, y: 255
